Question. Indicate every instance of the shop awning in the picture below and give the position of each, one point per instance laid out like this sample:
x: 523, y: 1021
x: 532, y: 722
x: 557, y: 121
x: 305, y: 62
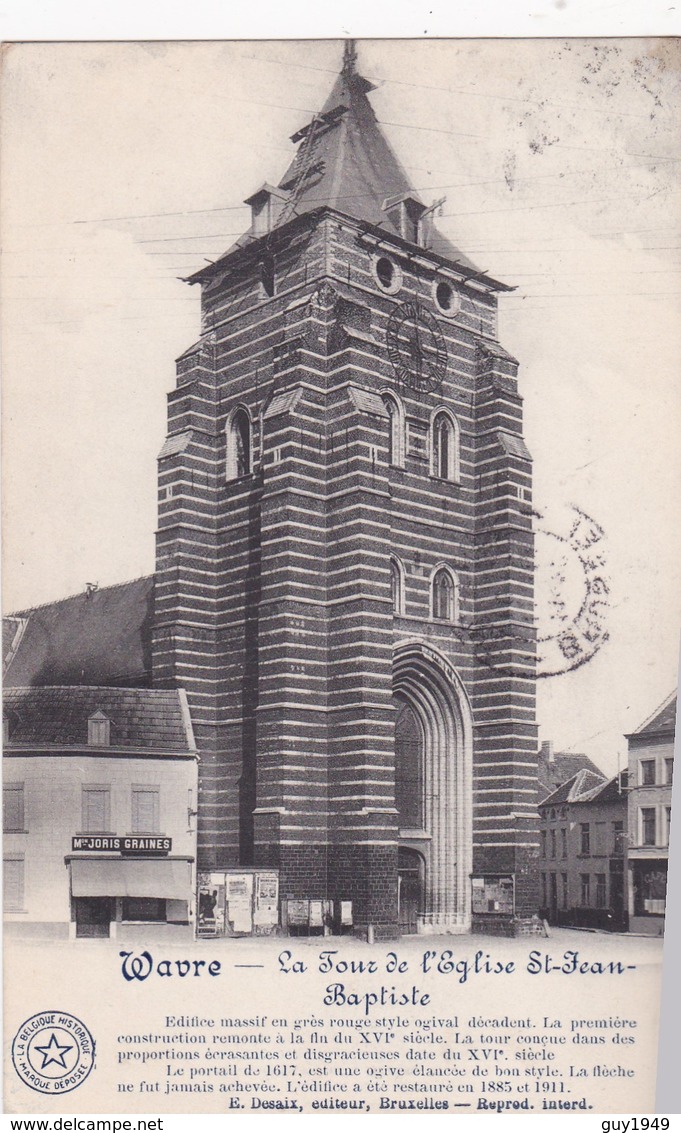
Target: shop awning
x: 116, y: 877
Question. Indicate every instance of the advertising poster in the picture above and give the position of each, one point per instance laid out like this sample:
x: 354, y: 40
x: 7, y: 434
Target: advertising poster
x: 341, y: 573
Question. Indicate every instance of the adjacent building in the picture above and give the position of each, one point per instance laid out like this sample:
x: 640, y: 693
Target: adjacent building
x: 583, y: 851
x: 555, y: 768
x: 99, y: 812
x: 651, y: 770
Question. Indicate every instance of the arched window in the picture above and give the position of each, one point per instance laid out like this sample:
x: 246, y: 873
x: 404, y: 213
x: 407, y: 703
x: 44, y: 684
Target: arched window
x: 445, y: 447
x: 445, y: 595
x: 397, y: 585
x: 395, y: 430
x: 238, y: 437
x: 408, y: 767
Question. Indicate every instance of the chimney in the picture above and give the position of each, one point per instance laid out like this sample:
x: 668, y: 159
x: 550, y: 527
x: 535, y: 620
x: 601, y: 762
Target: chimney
x: 547, y: 751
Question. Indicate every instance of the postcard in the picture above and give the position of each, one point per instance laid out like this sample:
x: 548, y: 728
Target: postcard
x: 341, y: 573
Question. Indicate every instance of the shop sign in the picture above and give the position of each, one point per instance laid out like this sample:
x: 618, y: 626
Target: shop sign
x: 130, y: 844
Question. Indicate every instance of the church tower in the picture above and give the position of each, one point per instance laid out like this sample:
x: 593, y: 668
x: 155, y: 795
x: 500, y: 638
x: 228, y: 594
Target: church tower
x: 344, y: 581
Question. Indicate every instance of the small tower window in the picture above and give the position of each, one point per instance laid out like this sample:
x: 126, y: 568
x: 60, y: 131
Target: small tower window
x: 445, y: 447
x: 397, y: 585
x: 387, y: 274
x: 238, y: 438
x: 445, y: 595
x: 447, y: 299
x: 98, y: 729
x: 395, y: 430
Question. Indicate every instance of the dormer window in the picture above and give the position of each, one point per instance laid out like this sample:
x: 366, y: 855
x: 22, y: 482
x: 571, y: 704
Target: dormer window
x: 266, y: 206
x: 9, y: 723
x: 405, y: 213
x: 98, y: 729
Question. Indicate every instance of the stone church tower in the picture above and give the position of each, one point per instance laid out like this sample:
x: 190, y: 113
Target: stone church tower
x: 344, y: 579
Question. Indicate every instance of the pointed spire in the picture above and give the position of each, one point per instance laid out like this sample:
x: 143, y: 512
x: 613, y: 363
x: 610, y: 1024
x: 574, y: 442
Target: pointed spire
x: 349, y: 57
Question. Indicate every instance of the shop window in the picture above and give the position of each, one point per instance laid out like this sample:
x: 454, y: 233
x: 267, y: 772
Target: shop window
x: 600, y: 890
x: 143, y: 909
x: 145, y: 810
x: 585, y: 889
x: 648, y: 826
x: 98, y: 729
x: 96, y: 809
x: 584, y: 838
x: 13, y: 883
x: 397, y: 585
x: 395, y: 430
x: 445, y: 595
x: 650, y: 888
x: 445, y: 447
x: 238, y: 445
x: 13, y: 807
x: 647, y: 772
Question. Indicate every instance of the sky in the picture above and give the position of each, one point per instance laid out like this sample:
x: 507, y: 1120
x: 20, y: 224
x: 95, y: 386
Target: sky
x: 125, y: 168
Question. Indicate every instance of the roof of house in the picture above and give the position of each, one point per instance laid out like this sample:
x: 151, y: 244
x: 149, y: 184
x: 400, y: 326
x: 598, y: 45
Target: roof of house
x: 98, y: 637
x: 344, y: 162
x: 574, y: 789
x: 611, y: 792
x: 154, y: 719
x: 663, y: 719
x: 562, y: 766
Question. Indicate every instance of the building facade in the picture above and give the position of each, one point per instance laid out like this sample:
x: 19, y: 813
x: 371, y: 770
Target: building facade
x: 344, y: 571
x: 99, y: 812
x: 651, y: 770
x: 344, y: 581
x: 583, y: 830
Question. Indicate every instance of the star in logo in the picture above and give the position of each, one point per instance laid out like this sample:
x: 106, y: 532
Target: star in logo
x: 54, y: 1052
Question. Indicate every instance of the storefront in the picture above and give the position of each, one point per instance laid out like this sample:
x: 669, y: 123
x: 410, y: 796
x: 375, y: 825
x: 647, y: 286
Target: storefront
x: 649, y: 893
x: 99, y: 814
x: 111, y: 896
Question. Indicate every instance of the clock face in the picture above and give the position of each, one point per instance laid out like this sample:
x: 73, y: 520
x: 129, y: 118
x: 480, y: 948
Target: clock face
x: 416, y: 348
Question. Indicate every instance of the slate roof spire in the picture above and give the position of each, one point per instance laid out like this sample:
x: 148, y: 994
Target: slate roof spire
x: 349, y: 57
x: 345, y: 162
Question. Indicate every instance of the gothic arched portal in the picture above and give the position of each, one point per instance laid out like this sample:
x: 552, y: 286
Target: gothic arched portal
x: 433, y: 786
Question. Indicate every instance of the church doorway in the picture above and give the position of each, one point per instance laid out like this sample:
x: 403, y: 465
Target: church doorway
x: 410, y: 879
x: 433, y: 792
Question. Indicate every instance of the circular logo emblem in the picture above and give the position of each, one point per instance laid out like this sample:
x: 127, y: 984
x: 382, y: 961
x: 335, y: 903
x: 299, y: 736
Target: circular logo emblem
x: 53, y: 1052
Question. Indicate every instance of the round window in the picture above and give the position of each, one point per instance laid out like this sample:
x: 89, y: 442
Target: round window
x: 387, y: 274
x: 447, y: 299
